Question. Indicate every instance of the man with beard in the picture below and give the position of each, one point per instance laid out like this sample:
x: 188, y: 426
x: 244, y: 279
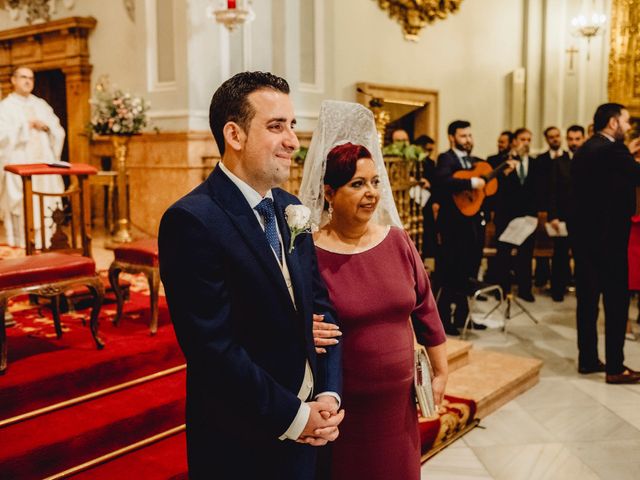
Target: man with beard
x: 559, y: 211
x: 461, y: 237
x: 504, y: 147
x: 517, y: 199
x: 505, y: 141
x: 545, y: 161
x: 604, y: 176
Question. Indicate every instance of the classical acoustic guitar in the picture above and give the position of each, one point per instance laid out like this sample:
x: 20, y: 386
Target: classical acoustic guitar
x: 469, y: 202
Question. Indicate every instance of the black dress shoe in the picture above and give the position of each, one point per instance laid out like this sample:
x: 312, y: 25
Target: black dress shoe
x: 477, y: 326
x: 586, y: 369
x: 558, y: 298
x: 627, y: 376
x: 527, y: 296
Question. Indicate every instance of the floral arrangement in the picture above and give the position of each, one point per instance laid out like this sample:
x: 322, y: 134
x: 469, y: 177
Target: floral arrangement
x: 115, y: 112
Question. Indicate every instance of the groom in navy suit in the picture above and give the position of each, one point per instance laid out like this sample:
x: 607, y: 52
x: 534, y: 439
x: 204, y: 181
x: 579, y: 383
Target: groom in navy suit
x: 242, y: 301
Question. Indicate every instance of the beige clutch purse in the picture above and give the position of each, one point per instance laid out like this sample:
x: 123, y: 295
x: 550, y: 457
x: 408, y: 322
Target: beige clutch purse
x: 422, y: 382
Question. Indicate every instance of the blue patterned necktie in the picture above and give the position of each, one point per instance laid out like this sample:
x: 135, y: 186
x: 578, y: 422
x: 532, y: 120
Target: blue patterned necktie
x: 466, y: 162
x: 266, y: 210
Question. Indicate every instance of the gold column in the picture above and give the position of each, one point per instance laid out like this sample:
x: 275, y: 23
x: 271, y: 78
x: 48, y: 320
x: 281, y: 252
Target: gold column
x: 120, y: 147
x: 624, y: 55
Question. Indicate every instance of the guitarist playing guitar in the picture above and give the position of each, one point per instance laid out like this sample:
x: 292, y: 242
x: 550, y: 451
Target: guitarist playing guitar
x: 461, y: 235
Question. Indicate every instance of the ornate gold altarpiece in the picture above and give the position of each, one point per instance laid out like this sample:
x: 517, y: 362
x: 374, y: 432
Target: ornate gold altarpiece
x: 624, y: 55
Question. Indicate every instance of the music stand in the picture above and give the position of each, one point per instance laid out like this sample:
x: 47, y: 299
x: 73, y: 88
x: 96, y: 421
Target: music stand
x: 507, y: 313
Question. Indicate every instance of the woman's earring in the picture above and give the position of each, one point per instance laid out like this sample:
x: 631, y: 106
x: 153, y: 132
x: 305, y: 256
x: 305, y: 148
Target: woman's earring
x: 330, y: 211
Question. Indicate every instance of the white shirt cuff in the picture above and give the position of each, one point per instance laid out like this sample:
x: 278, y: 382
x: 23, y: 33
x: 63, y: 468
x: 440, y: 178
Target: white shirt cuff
x: 299, y: 422
x: 331, y: 394
x: 475, y: 181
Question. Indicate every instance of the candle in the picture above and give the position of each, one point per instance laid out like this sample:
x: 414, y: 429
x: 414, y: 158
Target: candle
x: 231, y: 4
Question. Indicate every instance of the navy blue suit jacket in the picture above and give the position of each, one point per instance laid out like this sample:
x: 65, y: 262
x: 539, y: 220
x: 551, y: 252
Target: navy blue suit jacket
x: 245, y: 342
x: 449, y: 217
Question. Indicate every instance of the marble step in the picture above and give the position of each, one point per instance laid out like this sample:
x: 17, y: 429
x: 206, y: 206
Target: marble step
x: 457, y: 353
x: 493, y: 379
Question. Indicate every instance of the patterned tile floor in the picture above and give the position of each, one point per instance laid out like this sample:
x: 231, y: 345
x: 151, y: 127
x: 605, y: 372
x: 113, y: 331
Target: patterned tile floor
x: 569, y: 426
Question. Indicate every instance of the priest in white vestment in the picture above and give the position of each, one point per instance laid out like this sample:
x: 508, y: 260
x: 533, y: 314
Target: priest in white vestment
x: 30, y: 132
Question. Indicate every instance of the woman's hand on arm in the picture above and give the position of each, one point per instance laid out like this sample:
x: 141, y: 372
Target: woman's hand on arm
x: 324, y: 334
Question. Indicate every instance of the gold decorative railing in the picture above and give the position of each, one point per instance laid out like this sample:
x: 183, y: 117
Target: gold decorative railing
x: 402, y: 175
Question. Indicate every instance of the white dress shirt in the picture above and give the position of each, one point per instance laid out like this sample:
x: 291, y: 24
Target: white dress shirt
x: 306, y: 389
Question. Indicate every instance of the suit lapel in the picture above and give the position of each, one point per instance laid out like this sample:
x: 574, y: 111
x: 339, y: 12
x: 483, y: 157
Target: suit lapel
x: 292, y: 260
x: 231, y: 200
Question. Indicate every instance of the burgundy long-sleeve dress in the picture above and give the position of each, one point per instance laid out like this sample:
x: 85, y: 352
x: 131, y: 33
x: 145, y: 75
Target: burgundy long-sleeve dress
x: 375, y: 292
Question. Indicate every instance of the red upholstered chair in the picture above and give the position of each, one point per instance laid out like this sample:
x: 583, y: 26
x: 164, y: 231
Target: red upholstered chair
x: 48, y: 275
x: 136, y: 257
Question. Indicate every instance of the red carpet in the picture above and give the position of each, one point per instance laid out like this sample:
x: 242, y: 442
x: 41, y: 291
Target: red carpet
x: 48, y: 444
x: 44, y: 370
x: 164, y: 460
x: 457, y: 415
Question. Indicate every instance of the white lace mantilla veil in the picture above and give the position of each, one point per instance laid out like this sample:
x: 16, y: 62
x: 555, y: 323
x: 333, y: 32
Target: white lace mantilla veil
x: 339, y: 123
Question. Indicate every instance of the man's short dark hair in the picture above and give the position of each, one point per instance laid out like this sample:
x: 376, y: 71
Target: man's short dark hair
x: 230, y: 103
x: 457, y: 125
x: 424, y: 140
x: 509, y: 134
x: 604, y: 113
x: 548, y: 129
x: 520, y: 131
x: 576, y: 128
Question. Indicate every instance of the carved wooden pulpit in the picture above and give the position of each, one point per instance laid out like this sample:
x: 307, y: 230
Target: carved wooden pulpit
x: 72, y: 232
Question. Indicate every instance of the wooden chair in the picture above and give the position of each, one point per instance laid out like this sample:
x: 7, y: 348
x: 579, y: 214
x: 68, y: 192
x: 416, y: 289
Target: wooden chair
x: 48, y: 275
x: 137, y: 257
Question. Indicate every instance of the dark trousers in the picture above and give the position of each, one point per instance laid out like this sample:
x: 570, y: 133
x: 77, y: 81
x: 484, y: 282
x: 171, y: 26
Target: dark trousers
x: 601, y: 273
x: 429, y: 238
x: 521, y: 264
x: 458, y: 260
x: 543, y: 271
x: 560, y: 267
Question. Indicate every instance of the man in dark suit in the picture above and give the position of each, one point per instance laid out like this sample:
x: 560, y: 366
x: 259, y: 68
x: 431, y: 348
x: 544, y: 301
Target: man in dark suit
x: 427, y: 172
x: 604, y: 176
x: 505, y: 140
x: 242, y: 302
x: 505, y: 143
x: 545, y: 161
x: 517, y: 199
x: 559, y: 211
x: 461, y: 237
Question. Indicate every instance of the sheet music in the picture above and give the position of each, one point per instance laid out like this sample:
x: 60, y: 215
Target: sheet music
x: 518, y: 230
x: 419, y: 195
x: 561, y: 232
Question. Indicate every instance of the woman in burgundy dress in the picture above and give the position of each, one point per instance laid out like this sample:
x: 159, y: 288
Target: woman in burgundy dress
x: 377, y: 282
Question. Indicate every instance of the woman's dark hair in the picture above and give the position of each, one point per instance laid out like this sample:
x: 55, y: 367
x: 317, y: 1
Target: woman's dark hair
x: 341, y: 163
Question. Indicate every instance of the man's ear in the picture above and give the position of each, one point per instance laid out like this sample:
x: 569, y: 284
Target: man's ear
x: 234, y: 136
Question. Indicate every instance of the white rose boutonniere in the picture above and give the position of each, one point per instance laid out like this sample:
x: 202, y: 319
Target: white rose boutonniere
x: 299, y: 221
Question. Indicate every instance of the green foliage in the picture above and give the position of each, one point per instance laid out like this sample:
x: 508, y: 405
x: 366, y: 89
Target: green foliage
x: 300, y: 155
x: 411, y: 153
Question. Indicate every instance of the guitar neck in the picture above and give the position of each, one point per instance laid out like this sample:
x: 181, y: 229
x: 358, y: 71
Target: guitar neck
x: 495, y: 172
